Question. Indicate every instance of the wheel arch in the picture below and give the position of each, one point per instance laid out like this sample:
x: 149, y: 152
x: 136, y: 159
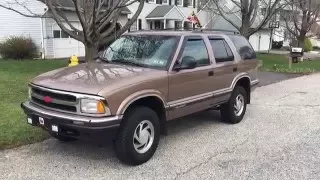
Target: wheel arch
x: 243, y: 80
x: 151, y: 99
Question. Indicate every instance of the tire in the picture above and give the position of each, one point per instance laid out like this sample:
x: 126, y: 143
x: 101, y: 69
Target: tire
x: 229, y: 113
x: 63, y: 138
x: 127, y: 144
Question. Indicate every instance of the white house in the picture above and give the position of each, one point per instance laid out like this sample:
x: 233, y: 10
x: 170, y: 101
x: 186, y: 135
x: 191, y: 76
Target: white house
x: 167, y: 14
x: 45, y: 32
x: 156, y: 14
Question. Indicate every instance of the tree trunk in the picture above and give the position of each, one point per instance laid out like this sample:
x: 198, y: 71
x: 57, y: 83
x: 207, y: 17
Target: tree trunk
x: 301, y: 39
x: 91, y: 51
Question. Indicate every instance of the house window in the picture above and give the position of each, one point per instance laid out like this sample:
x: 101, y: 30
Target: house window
x: 150, y: 25
x: 187, y: 25
x: 151, y: 1
x: 56, y: 34
x: 139, y: 24
x: 178, y: 25
x: 64, y: 35
x: 133, y: 27
x: 178, y: 2
x: 165, y: 2
x: 187, y: 3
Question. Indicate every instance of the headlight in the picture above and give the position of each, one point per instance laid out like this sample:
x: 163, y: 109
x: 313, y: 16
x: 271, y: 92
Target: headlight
x: 92, y: 106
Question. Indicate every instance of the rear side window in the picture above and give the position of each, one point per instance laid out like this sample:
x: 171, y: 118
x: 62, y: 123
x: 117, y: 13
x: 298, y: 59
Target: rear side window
x: 243, y: 46
x: 221, y: 50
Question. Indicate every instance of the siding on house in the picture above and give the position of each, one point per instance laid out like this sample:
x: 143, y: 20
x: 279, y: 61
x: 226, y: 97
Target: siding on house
x: 14, y: 24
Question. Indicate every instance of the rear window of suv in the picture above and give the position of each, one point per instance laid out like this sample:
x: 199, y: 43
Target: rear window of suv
x: 243, y: 46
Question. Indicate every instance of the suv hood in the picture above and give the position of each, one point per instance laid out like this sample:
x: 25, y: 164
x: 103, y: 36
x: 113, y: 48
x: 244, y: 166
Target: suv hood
x: 92, y: 78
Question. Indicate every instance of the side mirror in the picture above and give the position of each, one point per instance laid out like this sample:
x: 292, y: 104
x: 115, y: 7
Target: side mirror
x: 187, y: 62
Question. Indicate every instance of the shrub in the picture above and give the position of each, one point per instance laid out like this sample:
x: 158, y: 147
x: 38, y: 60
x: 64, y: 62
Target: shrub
x: 307, y: 45
x: 18, y: 47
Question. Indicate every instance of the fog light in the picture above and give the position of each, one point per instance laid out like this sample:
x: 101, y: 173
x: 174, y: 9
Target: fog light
x: 54, y: 128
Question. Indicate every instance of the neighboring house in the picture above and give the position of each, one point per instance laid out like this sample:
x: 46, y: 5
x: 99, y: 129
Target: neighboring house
x: 163, y: 14
x: 169, y: 14
x: 45, y: 32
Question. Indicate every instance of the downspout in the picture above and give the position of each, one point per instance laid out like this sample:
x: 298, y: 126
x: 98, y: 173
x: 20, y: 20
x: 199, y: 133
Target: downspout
x: 53, y: 44
x: 43, y: 49
x: 42, y: 40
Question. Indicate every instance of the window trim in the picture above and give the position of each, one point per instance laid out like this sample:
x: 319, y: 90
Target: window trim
x: 184, y: 43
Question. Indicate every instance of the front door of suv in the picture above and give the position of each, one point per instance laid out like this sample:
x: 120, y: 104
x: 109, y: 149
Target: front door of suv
x: 190, y: 90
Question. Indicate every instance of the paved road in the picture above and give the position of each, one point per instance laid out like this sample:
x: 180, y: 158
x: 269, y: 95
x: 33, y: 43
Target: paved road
x: 267, y: 78
x: 278, y: 139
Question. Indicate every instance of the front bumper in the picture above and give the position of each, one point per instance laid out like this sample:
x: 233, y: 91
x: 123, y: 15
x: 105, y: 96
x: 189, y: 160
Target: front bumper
x: 75, y: 126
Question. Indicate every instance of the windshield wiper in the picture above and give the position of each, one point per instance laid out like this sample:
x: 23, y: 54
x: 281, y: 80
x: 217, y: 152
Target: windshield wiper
x: 122, y: 61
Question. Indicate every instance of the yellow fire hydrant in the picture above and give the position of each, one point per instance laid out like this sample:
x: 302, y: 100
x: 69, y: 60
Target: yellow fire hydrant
x: 74, y: 60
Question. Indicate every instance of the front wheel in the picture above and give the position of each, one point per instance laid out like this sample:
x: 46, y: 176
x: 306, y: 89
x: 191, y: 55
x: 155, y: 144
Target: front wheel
x: 139, y: 136
x: 234, y: 110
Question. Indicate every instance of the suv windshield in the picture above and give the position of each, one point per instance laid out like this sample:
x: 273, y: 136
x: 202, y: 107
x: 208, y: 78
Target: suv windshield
x: 152, y: 51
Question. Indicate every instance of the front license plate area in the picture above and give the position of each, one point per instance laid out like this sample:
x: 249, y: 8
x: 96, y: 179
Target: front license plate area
x: 41, y: 121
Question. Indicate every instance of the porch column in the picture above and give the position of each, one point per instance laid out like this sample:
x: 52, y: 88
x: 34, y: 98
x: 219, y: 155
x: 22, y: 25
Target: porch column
x: 165, y: 24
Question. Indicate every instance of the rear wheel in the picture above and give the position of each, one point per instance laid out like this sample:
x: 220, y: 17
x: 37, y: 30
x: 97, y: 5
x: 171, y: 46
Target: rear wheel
x: 234, y: 110
x: 139, y: 136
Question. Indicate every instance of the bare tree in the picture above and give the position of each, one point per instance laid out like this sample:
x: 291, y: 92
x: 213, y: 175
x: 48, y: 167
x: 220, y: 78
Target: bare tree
x: 300, y: 16
x: 253, y: 14
x: 98, y: 19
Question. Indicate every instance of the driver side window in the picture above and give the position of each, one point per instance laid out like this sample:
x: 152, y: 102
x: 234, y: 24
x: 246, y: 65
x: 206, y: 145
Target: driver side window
x: 196, y: 49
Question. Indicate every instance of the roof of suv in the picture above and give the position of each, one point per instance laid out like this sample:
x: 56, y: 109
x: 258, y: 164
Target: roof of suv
x: 183, y: 32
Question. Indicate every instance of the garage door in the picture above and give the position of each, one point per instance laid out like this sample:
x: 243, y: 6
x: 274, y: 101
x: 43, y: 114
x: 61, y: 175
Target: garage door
x: 65, y: 46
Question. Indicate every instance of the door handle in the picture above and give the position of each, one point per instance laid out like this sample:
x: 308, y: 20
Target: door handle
x: 210, y: 73
x: 235, y: 69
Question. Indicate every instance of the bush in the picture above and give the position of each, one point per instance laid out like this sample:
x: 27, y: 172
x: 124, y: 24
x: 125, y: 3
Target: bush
x: 18, y: 47
x: 307, y: 45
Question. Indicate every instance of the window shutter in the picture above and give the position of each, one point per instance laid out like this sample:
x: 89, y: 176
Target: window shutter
x: 175, y: 2
x: 194, y: 3
x: 170, y: 2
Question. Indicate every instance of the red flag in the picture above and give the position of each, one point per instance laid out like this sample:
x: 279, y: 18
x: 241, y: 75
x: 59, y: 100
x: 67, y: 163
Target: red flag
x: 194, y: 19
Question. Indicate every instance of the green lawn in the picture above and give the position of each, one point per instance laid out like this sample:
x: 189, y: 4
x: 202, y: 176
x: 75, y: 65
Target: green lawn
x: 14, y: 77
x: 279, y: 63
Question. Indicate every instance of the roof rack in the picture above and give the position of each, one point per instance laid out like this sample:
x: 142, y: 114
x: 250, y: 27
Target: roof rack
x: 194, y: 30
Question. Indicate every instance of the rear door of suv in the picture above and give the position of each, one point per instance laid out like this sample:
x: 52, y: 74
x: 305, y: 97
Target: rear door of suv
x: 226, y: 67
x: 248, y: 60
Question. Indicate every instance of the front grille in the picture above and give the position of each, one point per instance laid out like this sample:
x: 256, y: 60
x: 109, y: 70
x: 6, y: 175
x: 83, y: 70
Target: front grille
x: 64, y: 97
x: 59, y: 101
x: 54, y: 105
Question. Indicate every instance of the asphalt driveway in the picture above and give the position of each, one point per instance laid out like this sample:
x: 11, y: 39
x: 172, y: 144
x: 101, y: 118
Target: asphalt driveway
x: 278, y: 139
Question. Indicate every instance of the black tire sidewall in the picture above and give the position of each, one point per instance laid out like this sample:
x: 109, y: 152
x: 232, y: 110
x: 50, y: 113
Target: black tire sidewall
x: 228, y: 111
x: 124, y: 142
